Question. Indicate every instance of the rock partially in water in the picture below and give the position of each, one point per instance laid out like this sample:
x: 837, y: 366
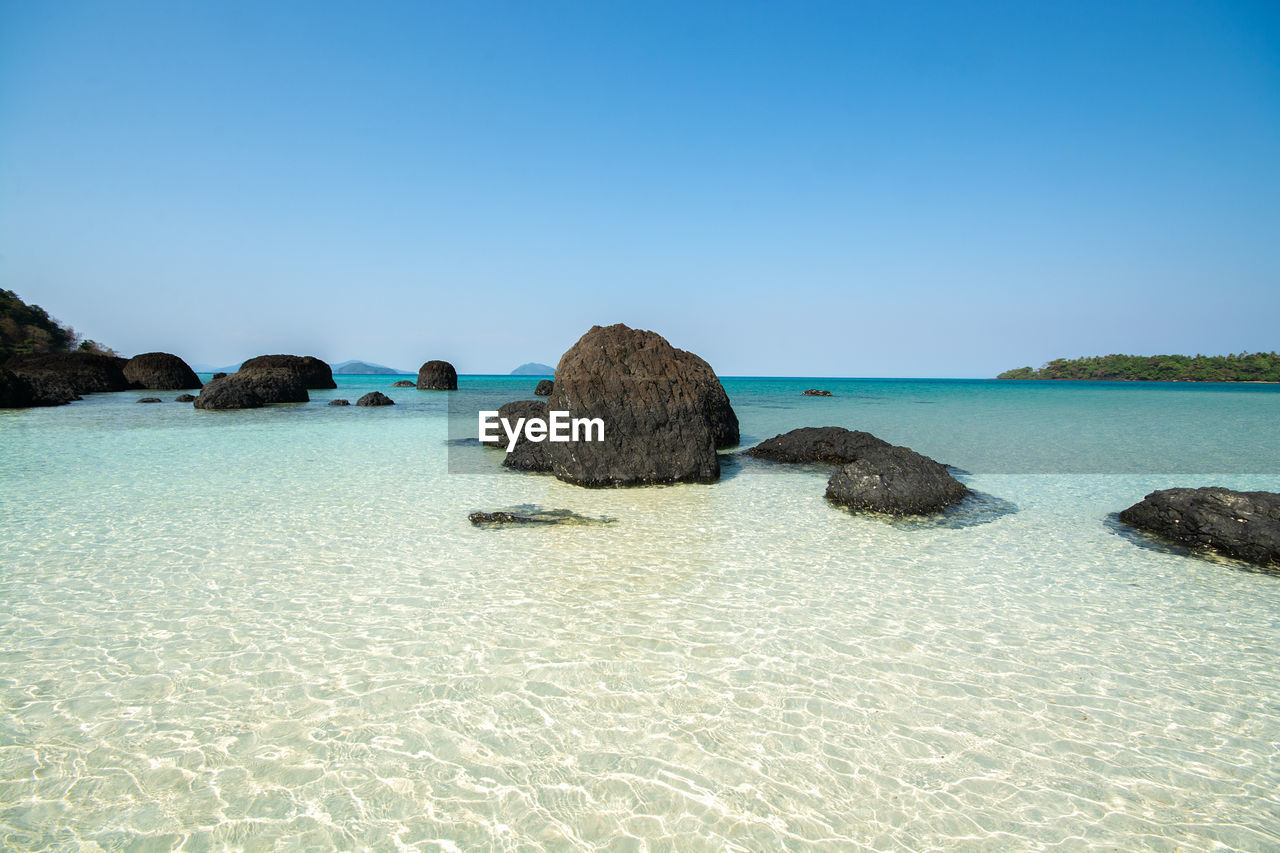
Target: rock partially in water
x: 253, y: 389
x: 339, y: 402
x: 160, y: 371
x: 149, y: 400
x: 403, y: 383
x: 529, y: 514
x: 70, y: 372
x: 437, y: 376
x: 664, y: 410
x: 1244, y: 525
x: 219, y: 375
x: 835, y: 445
x: 185, y: 398
x: 895, y: 481
x: 544, y: 388
x: 816, y: 392
x: 375, y: 398
x: 311, y: 371
x: 21, y: 392
x: 526, y: 455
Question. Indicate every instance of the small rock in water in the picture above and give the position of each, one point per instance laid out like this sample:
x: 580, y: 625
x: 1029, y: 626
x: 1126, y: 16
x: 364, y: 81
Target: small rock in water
x: 184, y: 398
x: 375, y: 398
x: 531, y: 515
x: 817, y: 392
x: 339, y: 402
x: 896, y: 481
x: 403, y: 383
x: 149, y: 400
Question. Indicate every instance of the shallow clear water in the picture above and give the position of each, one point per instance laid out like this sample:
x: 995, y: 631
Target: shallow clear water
x: 277, y: 630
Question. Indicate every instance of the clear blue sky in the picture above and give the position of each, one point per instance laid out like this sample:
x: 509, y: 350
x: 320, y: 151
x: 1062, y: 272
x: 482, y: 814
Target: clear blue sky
x: 785, y: 188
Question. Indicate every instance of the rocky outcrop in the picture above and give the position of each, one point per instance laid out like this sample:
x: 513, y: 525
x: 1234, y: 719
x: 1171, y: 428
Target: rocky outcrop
x: 1244, y: 525
x: 375, y: 398
x: 313, y: 372
x: 160, y: 371
x: 437, y: 376
x: 403, y: 383
x: 21, y: 392
x: 816, y: 392
x: 252, y: 389
x: 219, y: 375
x: 835, y: 445
x: 339, y: 402
x: 896, y: 481
x: 77, y: 372
x: 184, y: 398
x: 526, y: 455
x: 664, y: 411
x: 544, y: 388
x: 149, y: 400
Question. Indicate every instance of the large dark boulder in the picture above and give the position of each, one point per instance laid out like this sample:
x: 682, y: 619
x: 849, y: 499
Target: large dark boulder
x: 894, y: 480
x: 544, y: 388
x: 313, y: 372
x: 437, y: 376
x: 664, y: 411
x: 526, y: 455
x: 1244, y: 525
x: 375, y: 398
x: 830, y: 444
x: 20, y: 392
x: 255, y: 388
x: 160, y: 371
x: 80, y: 372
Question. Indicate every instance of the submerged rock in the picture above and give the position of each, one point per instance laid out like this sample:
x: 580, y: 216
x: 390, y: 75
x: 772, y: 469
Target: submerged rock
x: 526, y: 455
x: 339, y: 402
x: 665, y: 411
x: 76, y: 372
x: 1244, y: 525
x: 815, y: 392
x: 375, y: 398
x: 185, y: 398
x: 894, y: 480
x: 160, y: 371
x: 403, y: 383
x: 437, y: 376
x: 531, y: 515
x: 544, y: 388
x: 817, y: 444
x: 253, y: 389
x: 149, y: 400
x: 312, y: 372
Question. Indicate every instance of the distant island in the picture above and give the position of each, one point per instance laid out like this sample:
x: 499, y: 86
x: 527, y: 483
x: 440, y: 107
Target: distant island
x: 1245, y: 367
x: 364, y: 368
x: 534, y: 368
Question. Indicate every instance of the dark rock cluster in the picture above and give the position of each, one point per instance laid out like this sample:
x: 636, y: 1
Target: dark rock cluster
x: 375, y: 398
x: 1244, y: 525
x: 830, y: 444
x: 59, y: 374
x: 253, y: 388
x: 160, y: 371
x: 311, y: 371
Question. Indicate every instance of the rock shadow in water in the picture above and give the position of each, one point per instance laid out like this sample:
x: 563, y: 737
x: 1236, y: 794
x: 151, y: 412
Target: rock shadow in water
x: 976, y: 509
x: 1154, y: 542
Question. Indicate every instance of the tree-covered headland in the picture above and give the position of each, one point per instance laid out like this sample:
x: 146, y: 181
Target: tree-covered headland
x: 1242, y: 367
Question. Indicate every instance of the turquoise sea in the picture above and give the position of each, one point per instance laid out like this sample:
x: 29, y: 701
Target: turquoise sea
x: 277, y: 630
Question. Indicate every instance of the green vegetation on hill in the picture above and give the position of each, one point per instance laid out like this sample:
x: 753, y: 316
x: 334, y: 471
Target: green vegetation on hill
x: 1245, y: 367
x: 29, y: 329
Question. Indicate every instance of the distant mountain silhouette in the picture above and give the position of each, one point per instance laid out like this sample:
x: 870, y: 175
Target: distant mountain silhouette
x: 365, y: 368
x: 534, y: 368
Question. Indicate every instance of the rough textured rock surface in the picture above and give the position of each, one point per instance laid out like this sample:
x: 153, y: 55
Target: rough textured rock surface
x: 544, y: 388
x: 80, y: 372
x: 816, y: 392
x: 404, y: 383
x: 1244, y: 525
x: 526, y: 455
x: 185, y: 398
x: 250, y: 390
x: 437, y: 376
x: 817, y: 444
x: 150, y: 400
x: 339, y: 402
x: 664, y: 411
x: 21, y: 392
x: 375, y: 398
x: 219, y: 375
x: 894, y: 480
x: 313, y: 372
x: 160, y: 371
